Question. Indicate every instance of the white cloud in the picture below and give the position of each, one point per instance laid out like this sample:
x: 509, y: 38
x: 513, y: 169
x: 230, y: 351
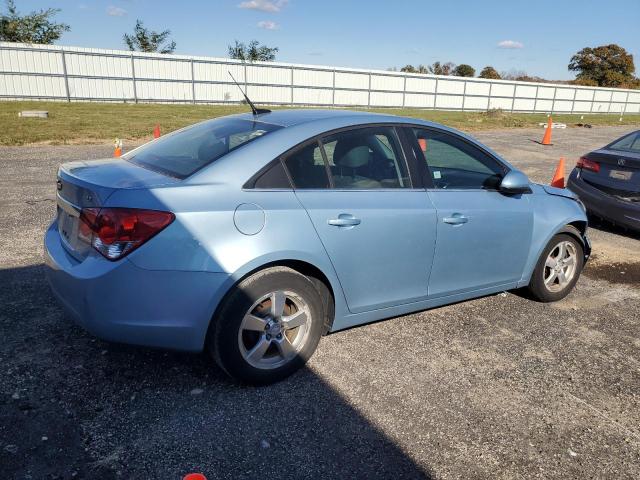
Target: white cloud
x: 270, y: 6
x: 510, y: 44
x: 116, y: 11
x: 268, y: 25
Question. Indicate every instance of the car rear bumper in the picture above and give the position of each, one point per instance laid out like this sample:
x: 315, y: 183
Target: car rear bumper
x: 120, y: 302
x: 618, y: 211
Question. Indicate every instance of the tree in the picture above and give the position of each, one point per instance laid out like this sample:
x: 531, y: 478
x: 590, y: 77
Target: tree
x: 252, y: 52
x: 464, y: 70
x: 441, y: 68
x: 489, y: 72
x: 36, y: 27
x: 145, y: 40
x: 412, y: 69
x: 607, y: 65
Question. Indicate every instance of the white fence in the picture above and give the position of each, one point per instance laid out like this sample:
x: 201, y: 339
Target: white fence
x: 46, y: 72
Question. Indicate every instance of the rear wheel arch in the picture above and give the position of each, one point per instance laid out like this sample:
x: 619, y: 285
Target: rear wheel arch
x: 315, y: 275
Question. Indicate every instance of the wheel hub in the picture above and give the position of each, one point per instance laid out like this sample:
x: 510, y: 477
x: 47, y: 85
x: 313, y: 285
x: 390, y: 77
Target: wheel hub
x: 273, y: 328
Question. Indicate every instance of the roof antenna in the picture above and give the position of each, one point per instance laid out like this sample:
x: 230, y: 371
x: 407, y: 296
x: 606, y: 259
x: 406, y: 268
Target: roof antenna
x: 256, y: 111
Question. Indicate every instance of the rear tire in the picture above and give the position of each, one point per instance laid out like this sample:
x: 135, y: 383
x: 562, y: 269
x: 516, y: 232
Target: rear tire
x: 268, y: 326
x: 557, y: 270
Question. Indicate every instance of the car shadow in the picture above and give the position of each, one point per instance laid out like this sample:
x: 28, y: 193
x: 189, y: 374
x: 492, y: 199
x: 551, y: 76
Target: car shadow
x: 606, y: 226
x: 74, y: 406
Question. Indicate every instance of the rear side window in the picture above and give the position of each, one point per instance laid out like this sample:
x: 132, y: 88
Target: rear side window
x: 306, y: 167
x: 630, y: 143
x: 455, y: 164
x: 366, y: 159
x: 182, y: 153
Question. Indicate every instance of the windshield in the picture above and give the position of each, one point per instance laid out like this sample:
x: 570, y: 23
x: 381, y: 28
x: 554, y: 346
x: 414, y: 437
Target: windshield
x: 184, y: 152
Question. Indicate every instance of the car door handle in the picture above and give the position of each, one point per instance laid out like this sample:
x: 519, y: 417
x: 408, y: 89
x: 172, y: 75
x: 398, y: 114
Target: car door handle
x: 455, y: 219
x: 344, y: 220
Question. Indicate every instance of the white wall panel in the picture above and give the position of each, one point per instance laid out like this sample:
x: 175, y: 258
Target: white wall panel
x: 386, y: 82
x: 269, y: 75
x: 150, y: 90
x: 523, y: 104
x: 584, y: 94
x: 562, y: 106
x: 30, y: 62
x: 602, y: 96
x: 420, y: 100
x: 348, y: 97
x: 450, y: 86
x: 217, y: 72
x: 502, y: 90
x: 476, y: 103
x: 449, y: 102
x: 101, y: 89
x: 162, y: 69
x: 418, y: 85
x: 269, y: 94
x: 309, y: 78
x: 527, y: 91
x: 352, y: 80
x: 312, y: 96
x: 385, y: 99
x: 98, y: 66
x: 211, y: 92
x: 478, y: 88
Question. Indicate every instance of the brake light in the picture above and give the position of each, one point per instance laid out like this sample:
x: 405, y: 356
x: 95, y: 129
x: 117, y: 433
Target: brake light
x: 116, y: 232
x: 588, y: 164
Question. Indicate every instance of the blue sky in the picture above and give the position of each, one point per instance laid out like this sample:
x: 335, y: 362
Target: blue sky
x: 537, y: 37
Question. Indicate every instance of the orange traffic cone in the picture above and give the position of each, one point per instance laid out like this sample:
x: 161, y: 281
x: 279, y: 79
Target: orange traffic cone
x: 156, y: 131
x: 558, y: 177
x: 546, y: 140
x: 194, y: 476
x: 117, y: 148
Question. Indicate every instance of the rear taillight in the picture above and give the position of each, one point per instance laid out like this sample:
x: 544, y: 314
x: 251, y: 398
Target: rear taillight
x: 116, y: 232
x: 587, y: 164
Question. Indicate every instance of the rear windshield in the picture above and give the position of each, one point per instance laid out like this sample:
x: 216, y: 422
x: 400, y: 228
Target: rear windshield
x: 630, y: 143
x: 182, y: 153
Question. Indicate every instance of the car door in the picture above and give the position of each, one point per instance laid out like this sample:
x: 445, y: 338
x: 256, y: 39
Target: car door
x: 483, y: 235
x: 378, y: 230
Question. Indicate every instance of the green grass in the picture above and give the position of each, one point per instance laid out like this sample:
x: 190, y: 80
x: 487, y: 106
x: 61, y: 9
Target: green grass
x: 87, y: 123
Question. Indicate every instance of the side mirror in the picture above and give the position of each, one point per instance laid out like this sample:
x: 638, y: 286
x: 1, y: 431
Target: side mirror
x: 515, y: 182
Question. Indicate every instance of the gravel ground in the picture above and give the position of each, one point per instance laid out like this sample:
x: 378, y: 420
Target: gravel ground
x: 499, y: 387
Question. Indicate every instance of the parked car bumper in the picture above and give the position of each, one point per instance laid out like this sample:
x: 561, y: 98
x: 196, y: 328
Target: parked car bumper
x: 120, y: 302
x: 599, y: 203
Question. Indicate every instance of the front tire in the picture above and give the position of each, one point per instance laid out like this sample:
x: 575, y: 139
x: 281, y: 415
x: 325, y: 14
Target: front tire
x: 558, y: 269
x: 268, y: 326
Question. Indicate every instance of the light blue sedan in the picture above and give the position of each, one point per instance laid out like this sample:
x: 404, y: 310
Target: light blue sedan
x: 251, y: 236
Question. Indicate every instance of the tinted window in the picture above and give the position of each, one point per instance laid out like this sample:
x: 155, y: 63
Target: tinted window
x: 630, y: 143
x: 274, y: 177
x: 306, y: 167
x: 184, y: 152
x: 367, y: 158
x: 454, y: 163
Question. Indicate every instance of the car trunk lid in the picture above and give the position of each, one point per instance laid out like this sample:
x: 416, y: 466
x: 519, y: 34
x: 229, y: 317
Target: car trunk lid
x: 618, y: 174
x: 89, y: 184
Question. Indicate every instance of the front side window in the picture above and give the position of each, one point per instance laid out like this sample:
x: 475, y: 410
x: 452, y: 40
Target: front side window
x: 630, y: 143
x: 453, y: 163
x: 366, y: 158
x: 182, y: 153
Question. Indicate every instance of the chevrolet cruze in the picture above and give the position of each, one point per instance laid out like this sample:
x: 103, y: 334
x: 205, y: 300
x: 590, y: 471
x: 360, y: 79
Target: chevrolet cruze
x: 251, y: 236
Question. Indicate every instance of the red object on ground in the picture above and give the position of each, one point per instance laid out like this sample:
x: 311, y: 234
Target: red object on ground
x: 117, y: 152
x: 558, y: 177
x: 546, y: 140
x: 194, y: 476
x: 156, y: 131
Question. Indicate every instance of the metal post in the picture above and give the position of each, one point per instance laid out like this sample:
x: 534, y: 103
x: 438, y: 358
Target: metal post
x: 66, y: 78
x: 535, y: 101
x: 573, y: 100
x: 133, y: 78
x: 624, y: 107
x: 369, y: 93
x: 404, y: 91
x: 291, y: 85
x: 513, y: 97
x: 333, y: 90
x: 609, y: 105
x: 593, y: 98
x: 193, y: 83
x: 489, y: 98
x: 435, y: 95
x: 464, y: 94
x: 553, y: 102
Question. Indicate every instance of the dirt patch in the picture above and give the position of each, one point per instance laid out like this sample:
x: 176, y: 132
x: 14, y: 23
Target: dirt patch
x: 624, y: 272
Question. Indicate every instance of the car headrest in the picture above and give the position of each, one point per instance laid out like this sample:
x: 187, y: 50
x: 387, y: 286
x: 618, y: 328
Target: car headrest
x: 356, y: 157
